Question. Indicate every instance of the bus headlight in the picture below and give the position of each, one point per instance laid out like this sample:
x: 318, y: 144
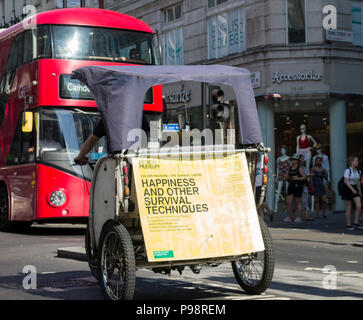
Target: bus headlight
x: 57, y: 198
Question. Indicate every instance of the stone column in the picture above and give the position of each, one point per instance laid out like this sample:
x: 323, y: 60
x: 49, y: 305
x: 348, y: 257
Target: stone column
x: 267, y: 120
x: 338, y: 147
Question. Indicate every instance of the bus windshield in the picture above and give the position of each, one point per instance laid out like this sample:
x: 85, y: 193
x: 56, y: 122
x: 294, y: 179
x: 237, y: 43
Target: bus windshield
x: 61, y: 135
x: 103, y: 44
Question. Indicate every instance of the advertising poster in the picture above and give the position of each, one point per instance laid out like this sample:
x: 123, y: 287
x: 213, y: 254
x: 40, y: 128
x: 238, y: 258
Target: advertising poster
x: 194, y: 209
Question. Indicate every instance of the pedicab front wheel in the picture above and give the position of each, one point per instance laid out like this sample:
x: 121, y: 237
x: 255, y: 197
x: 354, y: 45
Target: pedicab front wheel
x: 116, y: 263
x: 254, y: 272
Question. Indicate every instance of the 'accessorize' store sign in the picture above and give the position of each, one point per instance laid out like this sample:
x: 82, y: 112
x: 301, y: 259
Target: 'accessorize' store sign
x: 279, y: 77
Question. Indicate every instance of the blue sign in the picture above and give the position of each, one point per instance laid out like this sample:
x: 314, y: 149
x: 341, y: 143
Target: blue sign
x: 171, y: 127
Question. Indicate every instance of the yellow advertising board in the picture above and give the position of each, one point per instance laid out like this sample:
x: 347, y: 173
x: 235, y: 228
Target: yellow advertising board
x: 195, y: 209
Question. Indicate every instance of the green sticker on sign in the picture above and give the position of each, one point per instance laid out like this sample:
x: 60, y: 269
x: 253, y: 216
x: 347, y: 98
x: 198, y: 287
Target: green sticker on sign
x: 163, y: 254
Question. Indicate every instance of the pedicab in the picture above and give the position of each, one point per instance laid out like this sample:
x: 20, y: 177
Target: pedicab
x: 177, y: 206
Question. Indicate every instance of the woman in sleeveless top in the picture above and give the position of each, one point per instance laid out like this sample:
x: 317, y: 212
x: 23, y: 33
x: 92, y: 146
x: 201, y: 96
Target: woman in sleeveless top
x: 296, y: 178
x: 353, y: 194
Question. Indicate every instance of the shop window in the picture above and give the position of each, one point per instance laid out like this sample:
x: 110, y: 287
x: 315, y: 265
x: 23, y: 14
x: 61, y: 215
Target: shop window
x: 357, y: 22
x: 296, y: 21
x: 355, y: 128
x: 292, y: 114
x: 22, y: 148
x: 213, y: 3
x: 172, y: 13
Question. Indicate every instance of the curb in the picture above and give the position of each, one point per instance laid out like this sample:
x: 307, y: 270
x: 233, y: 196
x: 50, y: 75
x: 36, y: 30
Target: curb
x: 75, y: 253
x: 358, y: 244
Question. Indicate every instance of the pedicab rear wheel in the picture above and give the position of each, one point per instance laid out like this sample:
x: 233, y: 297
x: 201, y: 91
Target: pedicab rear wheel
x: 254, y: 272
x: 116, y: 263
x: 91, y: 254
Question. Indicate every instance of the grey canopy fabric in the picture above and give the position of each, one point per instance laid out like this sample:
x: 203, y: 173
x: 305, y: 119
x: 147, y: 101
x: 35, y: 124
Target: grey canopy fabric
x: 119, y: 92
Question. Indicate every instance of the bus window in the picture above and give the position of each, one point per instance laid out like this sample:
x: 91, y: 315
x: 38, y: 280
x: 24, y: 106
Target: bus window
x: 104, y: 44
x: 29, y: 54
x: 22, y: 150
x: 15, y: 58
x: 43, y: 42
x: 62, y: 133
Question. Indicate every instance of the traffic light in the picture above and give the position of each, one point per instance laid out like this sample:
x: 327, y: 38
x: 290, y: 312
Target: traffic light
x: 219, y: 110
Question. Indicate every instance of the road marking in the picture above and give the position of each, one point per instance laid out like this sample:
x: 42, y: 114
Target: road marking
x: 48, y: 272
x: 277, y: 298
x: 50, y: 289
x: 247, y: 297
x: 357, y: 275
x: 303, y: 261
x: 340, y: 273
x: 352, y: 261
x: 212, y: 284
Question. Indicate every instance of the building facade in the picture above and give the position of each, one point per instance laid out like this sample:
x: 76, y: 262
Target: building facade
x: 11, y: 11
x: 317, y: 73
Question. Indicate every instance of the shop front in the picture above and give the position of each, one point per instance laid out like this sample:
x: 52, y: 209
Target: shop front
x: 311, y: 94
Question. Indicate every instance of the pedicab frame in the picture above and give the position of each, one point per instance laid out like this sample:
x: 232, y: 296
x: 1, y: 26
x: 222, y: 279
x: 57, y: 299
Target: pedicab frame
x: 119, y: 91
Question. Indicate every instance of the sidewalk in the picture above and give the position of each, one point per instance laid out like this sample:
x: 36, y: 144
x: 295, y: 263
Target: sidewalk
x: 333, y: 224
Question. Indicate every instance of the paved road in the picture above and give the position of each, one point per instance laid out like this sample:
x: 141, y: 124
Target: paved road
x: 303, y: 253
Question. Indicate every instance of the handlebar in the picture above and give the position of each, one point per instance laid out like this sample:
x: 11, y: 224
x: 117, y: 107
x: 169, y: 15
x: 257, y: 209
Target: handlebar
x: 90, y: 163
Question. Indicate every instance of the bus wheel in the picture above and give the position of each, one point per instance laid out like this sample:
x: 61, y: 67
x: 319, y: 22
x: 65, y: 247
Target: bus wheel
x: 254, y: 272
x: 116, y: 263
x: 5, y: 224
x: 91, y: 254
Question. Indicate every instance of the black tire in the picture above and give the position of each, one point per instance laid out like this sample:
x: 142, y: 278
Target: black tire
x: 245, y: 269
x: 116, y: 252
x: 5, y: 224
x: 91, y: 254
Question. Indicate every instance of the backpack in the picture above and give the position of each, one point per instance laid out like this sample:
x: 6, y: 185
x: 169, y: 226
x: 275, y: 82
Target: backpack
x: 341, y: 184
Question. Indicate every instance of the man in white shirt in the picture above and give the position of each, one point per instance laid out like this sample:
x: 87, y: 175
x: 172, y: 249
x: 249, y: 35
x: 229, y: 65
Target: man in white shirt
x: 48, y: 143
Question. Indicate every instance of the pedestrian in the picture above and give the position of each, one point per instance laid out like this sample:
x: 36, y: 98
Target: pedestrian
x: 297, y: 179
x: 305, y: 195
x: 263, y: 205
x: 318, y: 174
x: 352, y: 193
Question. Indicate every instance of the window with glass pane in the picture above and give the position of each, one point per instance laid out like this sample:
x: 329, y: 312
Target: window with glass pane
x: 173, y: 47
x: 43, y: 42
x: 103, y: 44
x: 28, y: 47
x: 296, y: 21
x: 357, y: 22
x: 212, y: 3
x: 173, y: 13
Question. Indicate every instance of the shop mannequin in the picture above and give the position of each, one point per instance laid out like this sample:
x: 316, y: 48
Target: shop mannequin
x: 283, y: 165
x: 325, y: 164
x: 303, y: 142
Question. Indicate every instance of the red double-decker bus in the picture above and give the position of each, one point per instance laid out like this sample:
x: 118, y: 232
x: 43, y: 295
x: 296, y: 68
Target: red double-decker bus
x: 45, y: 116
